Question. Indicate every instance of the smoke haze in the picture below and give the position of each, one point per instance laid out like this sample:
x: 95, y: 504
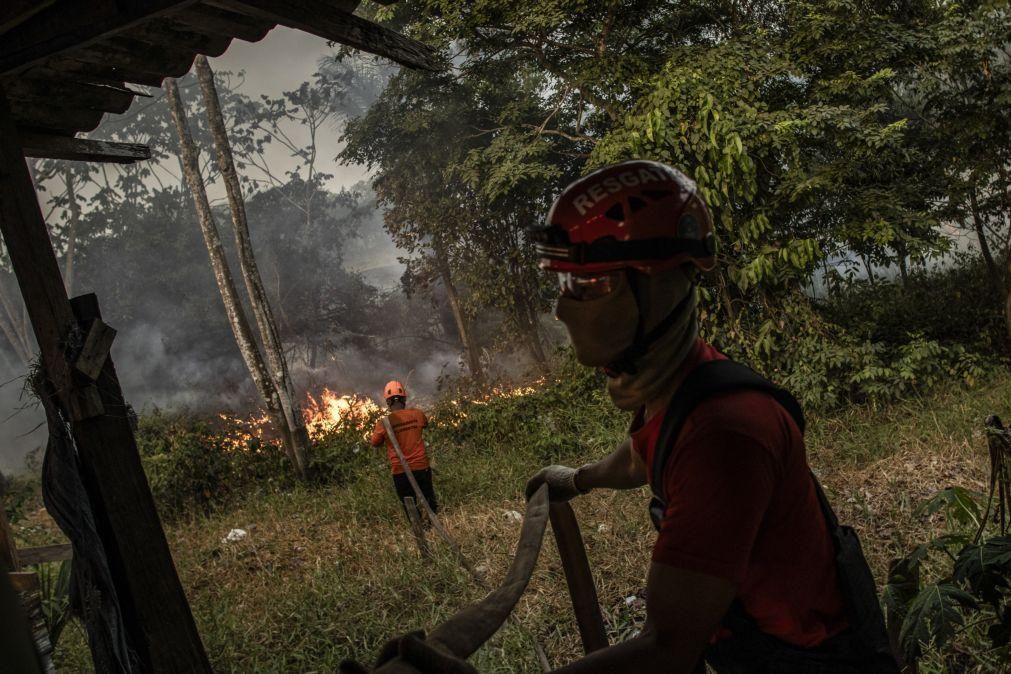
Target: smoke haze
x: 174, y: 349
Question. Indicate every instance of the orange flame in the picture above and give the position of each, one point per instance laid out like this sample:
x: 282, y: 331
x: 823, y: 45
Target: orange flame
x: 241, y: 435
x: 331, y: 412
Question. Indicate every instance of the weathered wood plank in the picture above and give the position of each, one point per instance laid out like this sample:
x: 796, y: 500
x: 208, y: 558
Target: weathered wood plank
x: 24, y: 581
x: 158, y: 620
x: 16, y: 12
x: 332, y: 21
x: 37, y: 117
x: 71, y: 25
x: 103, y: 67
x: 46, y: 553
x: 95, y: 351
x: 169, y: 32
x: 204, y: 18
x: 42, y: 146
x: 169, y: 60
x: 66, y: 93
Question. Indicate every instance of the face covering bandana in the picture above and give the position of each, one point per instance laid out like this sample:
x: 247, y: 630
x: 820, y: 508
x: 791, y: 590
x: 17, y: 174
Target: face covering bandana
x: 657, y: 368
x: 601, y: 329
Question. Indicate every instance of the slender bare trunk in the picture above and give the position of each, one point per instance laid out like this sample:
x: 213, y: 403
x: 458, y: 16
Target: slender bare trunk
x: 532, y: 334
x: 984, y: 246
x: 258, y: 300
x: 222, y: 274
x: 870, y: 271
x: 469, y: 350
x: 75, y: 217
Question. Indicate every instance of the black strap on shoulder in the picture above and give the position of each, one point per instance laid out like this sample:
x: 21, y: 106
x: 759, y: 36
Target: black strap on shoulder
x: 708, y: 379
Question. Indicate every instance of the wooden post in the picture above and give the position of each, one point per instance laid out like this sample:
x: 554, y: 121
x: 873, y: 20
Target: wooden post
x: 419, y: 532
x: 8, y: 550
x: 158, y: 620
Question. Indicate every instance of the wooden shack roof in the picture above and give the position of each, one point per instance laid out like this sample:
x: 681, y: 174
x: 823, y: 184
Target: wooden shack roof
x: 65, y: 63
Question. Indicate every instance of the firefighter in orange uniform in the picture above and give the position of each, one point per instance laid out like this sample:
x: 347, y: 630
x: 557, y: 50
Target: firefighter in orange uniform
x: 407, y: 424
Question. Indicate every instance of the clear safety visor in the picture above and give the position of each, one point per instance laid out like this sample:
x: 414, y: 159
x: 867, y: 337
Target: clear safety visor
x: 587, y: 286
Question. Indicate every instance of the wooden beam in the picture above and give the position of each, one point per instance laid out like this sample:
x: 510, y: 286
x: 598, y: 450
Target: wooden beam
x: 168, y: 32
x: 16, y: 12
x: 54, y: 119
x: 216, y: 21
x: 158, y: 621
x: 108, y: 67
x: 45, y: 92
x: 46, y: 553
x: 71, y: 25
x: 42, y: 146
x: 329, y: 20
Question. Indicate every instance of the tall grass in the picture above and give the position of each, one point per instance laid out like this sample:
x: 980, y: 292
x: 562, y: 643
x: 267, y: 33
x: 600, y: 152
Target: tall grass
x: 330, y: 570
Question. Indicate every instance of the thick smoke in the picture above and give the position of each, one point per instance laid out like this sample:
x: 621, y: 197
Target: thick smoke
x: 332, y: 275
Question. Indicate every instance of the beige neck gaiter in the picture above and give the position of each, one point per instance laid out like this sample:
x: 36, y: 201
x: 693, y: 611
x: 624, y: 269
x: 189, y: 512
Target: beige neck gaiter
x: 656, y: 369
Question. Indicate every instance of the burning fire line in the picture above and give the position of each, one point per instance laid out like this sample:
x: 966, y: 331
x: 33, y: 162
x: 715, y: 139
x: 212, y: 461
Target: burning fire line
x: 324, y: 413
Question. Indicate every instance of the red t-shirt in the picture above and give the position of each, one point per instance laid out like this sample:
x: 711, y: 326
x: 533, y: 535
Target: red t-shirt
x: 741, y: 505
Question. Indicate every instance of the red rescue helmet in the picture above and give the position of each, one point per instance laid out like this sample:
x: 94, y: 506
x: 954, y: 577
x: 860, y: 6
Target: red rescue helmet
x: 640, y: 214
x: 394, y: 389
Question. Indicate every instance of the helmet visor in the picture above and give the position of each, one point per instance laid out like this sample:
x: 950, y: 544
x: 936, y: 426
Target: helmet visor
x: 587, y: 286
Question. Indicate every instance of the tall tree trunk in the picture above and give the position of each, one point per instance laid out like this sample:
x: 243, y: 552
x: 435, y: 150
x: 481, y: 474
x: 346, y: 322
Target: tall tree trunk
x: 984, y: 246
x: 870, y: 271
x: 269, y: 335
x: 526, y: 319
x: 466, y: 340
x: 222, y: 274
x: 75, y: 217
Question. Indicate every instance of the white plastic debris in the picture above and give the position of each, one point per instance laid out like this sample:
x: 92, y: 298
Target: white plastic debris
x: 630, y: 599
x: 513, y: 516
x: 601, y: 528
x: 235, y: 535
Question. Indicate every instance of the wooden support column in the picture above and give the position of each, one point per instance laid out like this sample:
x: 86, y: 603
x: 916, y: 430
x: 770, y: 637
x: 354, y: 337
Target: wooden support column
x: 157, y: 618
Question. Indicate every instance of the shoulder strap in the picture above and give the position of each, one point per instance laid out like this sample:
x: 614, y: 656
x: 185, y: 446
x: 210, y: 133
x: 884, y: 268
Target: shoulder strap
x: 708, y: 379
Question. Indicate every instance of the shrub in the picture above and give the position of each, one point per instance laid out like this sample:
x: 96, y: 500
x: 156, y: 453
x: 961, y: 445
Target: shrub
x: 192, y: 464
x: 826, y: 365
x: 956, y: 305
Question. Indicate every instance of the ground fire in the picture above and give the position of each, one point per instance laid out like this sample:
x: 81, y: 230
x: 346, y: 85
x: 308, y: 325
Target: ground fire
x: 324, y: 413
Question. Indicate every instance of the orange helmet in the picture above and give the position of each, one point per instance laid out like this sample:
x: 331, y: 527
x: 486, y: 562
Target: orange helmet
x: 639, y: 214
x: 394, y: 389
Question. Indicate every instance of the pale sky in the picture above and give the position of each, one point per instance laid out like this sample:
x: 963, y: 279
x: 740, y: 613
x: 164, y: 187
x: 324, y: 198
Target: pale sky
x: 280, y: 62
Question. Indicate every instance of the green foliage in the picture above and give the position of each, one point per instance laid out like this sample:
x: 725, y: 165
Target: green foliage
x: 934, y: 616
x: 978, y: 583
x: 825, y: 365
x: 953, y: 305
x: 192, y: 465
x: 54, y: 589
x: 569, y: 409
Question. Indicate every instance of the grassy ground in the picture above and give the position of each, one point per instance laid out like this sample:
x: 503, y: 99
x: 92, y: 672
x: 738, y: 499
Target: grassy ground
x: 330, y: 572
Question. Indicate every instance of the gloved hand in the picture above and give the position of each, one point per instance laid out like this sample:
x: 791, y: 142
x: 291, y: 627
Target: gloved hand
x: 414, y: 651
x: 561, y: 481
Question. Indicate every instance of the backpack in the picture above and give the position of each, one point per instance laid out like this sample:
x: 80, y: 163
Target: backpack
x: 863, y: 648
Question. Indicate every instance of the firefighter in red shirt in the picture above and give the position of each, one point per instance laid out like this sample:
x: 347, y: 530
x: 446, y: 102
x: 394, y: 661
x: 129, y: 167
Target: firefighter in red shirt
x: 750, y: 571
x: 408, y: 424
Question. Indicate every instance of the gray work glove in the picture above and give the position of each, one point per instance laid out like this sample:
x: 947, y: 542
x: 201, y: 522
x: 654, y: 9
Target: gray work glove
x: 561, y: 481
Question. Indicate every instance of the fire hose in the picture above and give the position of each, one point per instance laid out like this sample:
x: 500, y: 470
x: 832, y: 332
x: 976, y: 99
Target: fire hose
x: 470, y: 627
